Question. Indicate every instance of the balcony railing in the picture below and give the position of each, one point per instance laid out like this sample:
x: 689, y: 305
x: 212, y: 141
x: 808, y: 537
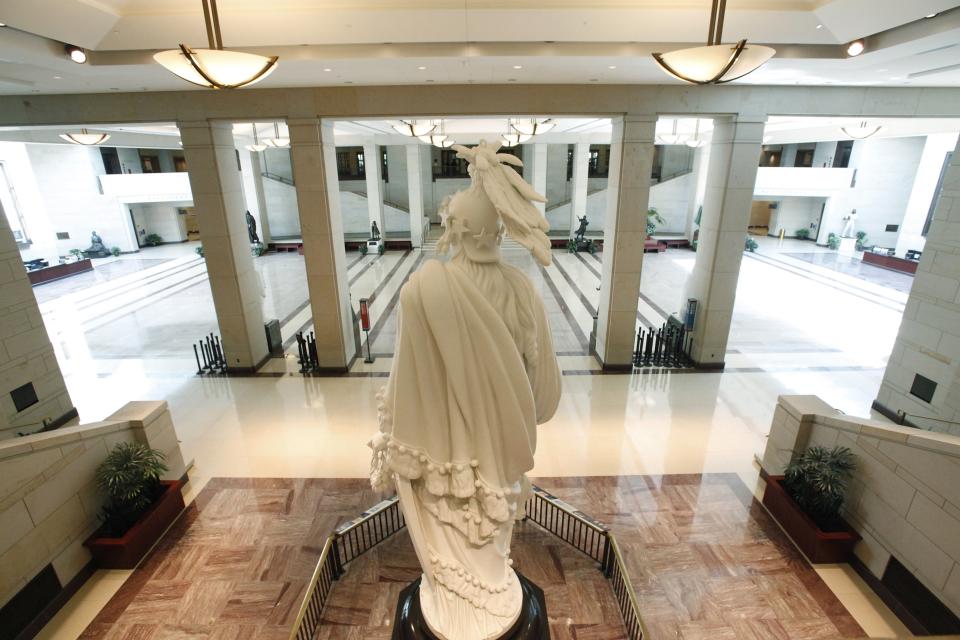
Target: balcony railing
x: 802, y: 181
x: 147, y: 187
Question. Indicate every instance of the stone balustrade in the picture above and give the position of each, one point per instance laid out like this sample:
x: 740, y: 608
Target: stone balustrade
x: 49, y: 502
x: 905, y: 495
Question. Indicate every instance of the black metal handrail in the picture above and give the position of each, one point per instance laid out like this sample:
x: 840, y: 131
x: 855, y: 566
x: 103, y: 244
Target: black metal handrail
x: 278, y: 178
x: 668, y: 346
x: 347, y: 542
x: 354, y: 538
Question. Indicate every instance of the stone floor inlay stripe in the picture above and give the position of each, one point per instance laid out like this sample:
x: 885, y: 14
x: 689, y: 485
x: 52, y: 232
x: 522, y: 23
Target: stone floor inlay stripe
x: 574, y: 326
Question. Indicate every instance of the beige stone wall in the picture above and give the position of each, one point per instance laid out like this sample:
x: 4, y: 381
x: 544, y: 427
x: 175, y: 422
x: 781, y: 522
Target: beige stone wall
x: 928, y: 343
x: 26, y: 354
x: 49, y: 502
x: 905, y: 495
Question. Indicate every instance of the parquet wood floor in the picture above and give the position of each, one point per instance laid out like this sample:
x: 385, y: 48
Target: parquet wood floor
x: 705, y: 559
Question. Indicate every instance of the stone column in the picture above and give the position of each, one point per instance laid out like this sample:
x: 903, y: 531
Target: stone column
x: 578, y: 197
x: 415, y: 193
x: 256, y: 168
x: 928, y: 344
x: 538, y: 158
x: 314, y: 155
x: 26, y: 355
x: 631, y: 160
x: 732, y: 172
x: 371, y: 166
x: 218, y: 199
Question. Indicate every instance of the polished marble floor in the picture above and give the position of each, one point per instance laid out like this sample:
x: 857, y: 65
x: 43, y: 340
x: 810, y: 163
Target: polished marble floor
x: 790, y: 313
x: 798, y: 328
x: 705, y: 561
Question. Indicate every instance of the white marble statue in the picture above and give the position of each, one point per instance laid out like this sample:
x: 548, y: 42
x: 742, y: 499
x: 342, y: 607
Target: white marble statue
x: 474, y: 373
x: 850, y: 223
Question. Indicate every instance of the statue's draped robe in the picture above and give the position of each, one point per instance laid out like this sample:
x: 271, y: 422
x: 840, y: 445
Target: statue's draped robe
x: 474, y: 372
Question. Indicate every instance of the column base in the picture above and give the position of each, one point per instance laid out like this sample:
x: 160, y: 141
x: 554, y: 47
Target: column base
x: 408, y: 624
x: 710, y: 366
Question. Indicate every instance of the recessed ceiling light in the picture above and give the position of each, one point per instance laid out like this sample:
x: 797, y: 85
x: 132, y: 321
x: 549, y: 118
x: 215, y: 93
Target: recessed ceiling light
x: 422, y: 68
x: 75, y: 53
x: 328, y: 69
x: 819, y: 26
x: 855, y: 48
x: 58, y: 77
x: 930, y: 15
x: 3, y: 24
x: 518, y: 66
x: 612, y: 66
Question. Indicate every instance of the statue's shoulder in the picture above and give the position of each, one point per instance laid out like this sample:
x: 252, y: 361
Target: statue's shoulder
x: 431, y: 275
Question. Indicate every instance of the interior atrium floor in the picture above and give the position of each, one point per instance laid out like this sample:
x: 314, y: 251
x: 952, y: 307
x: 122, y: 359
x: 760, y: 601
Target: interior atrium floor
x: 704, y: 557
x: 799, y: 328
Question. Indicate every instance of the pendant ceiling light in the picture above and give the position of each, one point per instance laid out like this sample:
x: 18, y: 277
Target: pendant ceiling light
x: 670, y: 138
x: 277, y: 140
x: 257, y: 145
x: 862, y: 131
x: 84, y: 137
x: 696, y: 140
x: 414, y: 129
x: 715, y: 63
x: 438, y: 137
x: 532, y: 127
x: 513, y: 139
x: 216, y: 67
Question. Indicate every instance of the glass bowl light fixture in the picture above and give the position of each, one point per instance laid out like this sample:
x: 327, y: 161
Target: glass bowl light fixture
x: 513, y: 139
x: 715, y: 63
x: 862, y: 131
x: 438, y: 137
x: 86, y: 138
x: 533, y: 127
x: 696, y: 141
x: 216, y: 67
x: 414, y: 129
x: 277, y: 140
x: 670, y: 138
x: 257, y: 145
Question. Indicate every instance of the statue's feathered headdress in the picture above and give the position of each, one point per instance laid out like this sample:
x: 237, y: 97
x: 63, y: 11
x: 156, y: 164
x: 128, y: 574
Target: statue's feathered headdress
x: 510, y: 194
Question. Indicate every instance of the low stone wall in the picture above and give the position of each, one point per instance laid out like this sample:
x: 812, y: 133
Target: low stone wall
x: 905, y: 495
x: 49, y: 502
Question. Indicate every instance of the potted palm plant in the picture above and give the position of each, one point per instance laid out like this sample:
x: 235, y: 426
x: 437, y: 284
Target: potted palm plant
x: 808, y: 499
x: 139, y: 508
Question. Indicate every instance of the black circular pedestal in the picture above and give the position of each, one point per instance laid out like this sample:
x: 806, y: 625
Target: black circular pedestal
x: 409, y: 624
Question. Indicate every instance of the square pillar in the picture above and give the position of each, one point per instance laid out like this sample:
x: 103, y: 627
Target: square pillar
x: 415, y: 193
x: 314, y: 156
x: 732, y: 172
x: 538, y: 158
x: 217, y: 187
x: 578, y: 197
x: 256, y: 199
x: 26, y: 354
x: 928, y: 343
x: 371, y: 167
x: 625, y: 229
